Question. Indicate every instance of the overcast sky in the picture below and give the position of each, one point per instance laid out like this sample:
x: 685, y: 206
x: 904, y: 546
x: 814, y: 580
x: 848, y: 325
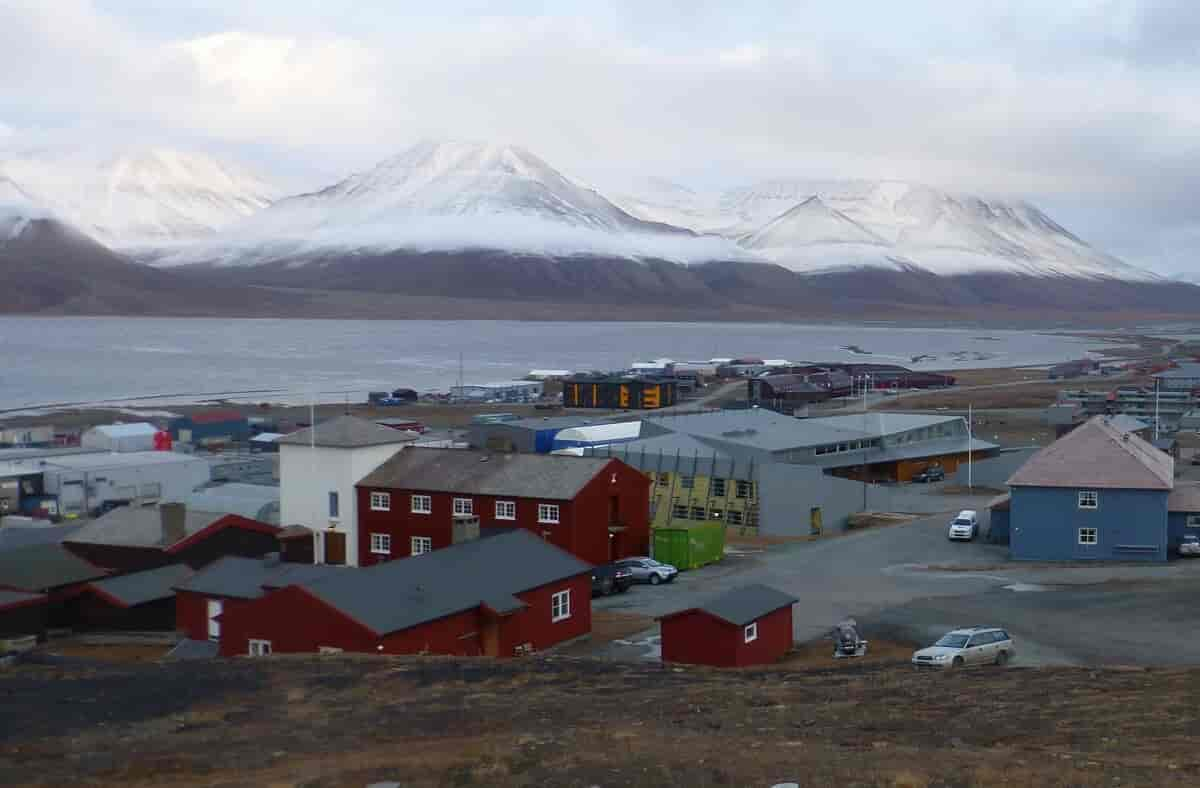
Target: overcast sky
x: 1090, y: 109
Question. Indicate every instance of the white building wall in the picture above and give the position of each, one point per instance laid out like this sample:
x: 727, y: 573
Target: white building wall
x: 90, y: 488
x: 306, y: 477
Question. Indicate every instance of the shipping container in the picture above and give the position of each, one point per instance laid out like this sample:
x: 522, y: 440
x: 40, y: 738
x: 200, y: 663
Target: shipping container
x: 689, y: 546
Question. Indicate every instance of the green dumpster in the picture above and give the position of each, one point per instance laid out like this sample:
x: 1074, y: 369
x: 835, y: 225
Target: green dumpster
x: 689, y: 546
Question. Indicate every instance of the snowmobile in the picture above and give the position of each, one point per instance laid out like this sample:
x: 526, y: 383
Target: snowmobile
x: 846, y: 640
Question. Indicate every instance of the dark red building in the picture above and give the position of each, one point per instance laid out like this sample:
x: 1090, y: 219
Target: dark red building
x: 595, y: 508
x: 751, y: 625
x: 22, y: 614
x: 133, y: 538
x: 503, y: 595
x: 136, y: 601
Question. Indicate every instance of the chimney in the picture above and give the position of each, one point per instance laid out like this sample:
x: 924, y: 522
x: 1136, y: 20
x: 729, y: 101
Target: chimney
x: 465, y: 529
x: 173, y: 516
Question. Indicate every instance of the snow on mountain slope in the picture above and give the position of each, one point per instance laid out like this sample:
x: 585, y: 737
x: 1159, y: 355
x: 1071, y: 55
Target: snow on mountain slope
x: 909, y: 225
x: 17, y: 210
x: 439, y: 196
x: 140, y: 198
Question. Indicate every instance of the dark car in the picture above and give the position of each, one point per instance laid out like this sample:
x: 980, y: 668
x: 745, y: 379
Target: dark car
x: 610, y: 578
x: 931, y: 474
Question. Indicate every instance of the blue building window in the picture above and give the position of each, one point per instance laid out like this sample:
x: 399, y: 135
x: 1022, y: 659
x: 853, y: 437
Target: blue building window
x: 1089, y: 499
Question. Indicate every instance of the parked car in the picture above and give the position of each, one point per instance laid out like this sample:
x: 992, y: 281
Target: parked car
x: 970, y: 646
x: 647, y: 570
x: 965, y: 526
x: 610, y: 578
x: 934, y: 473
x: 1190, y: 545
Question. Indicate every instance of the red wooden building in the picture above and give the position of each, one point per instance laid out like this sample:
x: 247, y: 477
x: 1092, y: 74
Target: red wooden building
x: 503, y: 595
x: 751, y: 625
x: 136, y: 601
x: 595, y: 508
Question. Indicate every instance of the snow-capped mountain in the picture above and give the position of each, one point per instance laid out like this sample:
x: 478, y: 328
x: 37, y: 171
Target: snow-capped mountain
x: 140, y: 198
x: 440, y: 196
x: 899, y: 226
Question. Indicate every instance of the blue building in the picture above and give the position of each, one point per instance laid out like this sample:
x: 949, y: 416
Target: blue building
x: 214, y: 426
x: 1097, y: 493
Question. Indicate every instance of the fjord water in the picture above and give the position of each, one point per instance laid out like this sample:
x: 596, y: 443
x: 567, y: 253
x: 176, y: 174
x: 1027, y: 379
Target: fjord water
x: 49, y: 360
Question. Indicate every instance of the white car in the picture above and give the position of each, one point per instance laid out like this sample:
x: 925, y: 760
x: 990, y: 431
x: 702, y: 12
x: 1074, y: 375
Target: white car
x: 1190, y: 545
x: 647, y: 570
x: 965, y: 526
x: 970, y: 646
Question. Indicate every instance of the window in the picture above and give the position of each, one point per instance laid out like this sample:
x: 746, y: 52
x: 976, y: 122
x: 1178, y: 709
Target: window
x: 420, y: 545
x: 745, y: 489
x: 664, y: 479
x: 422, y: 504
x: 506, y: 510
x: 698, y: 513
x: 547, y: 513
x: 381, y: 502
x: 733, y: 518
x: 1088, y: 536
x: 687, y: 482
x: 260, y: 648
x: 381, y: 544
x: 750, y: 633
x: 560, y: 606
x: 464, y: 506
x: 333, y: 506
x: 1193, y: 521
x: 1089, y: 499
x: 679, y: 511
x: 718, y: 488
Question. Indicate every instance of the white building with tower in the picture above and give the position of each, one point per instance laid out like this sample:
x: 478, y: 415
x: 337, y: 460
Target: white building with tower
x: 318, y: 468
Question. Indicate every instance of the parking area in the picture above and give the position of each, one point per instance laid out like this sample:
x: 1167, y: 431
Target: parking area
x: 908, y: 582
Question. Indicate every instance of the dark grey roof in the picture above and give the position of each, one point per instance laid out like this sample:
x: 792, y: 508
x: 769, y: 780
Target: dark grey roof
x: 748, y: 603
x: 194, y: 649
x: 435, y: 585
x: 346, y: 432
x: 483, y: 473
x: 44, y: 566
x: 15, y: 536
x: 137, y: 526
x: 8, y: 598
x: 141, y: 587
x: 245, y: 578
x: 551, y: 422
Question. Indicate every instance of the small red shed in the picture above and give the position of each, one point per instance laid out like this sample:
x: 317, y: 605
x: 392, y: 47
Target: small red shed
x: 596, y: 508
x: 136, y: 601
x: 751, y: 625
x: 503, y: 595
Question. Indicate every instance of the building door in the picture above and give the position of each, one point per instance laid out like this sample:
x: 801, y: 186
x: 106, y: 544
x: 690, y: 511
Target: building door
x: 215, y: 607
x: 335, y: 547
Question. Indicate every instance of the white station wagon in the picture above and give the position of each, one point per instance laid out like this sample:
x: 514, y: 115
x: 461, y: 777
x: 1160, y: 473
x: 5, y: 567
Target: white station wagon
x: 969, y: 646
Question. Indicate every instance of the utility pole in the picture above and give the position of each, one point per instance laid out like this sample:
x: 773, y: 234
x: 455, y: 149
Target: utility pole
x: 970, y: 442
x: 1156, y: 382
x: 866, y: 441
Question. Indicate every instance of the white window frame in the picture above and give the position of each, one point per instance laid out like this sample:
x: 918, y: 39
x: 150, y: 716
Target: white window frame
x: 743, y: 489
x: 560, y: 606
x: 464, y: 506
x: 548, y: 513
x: 506, y: 506
x: 1193, y: 521
x: 420, y: 545
x: 381, y: 544
x: 750, y: 632
x: 381, y: 502
x: 421, y: 504
x: 259, y: 648
x: 1088, y: 499
x: 1089, y: 536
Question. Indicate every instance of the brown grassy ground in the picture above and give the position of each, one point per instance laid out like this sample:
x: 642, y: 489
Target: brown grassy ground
x: 120, y: 654
x: 567, y: 722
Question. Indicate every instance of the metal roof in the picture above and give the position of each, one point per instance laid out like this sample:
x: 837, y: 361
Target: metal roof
x: 106, y: 460
x: 44, y: 566
x: 483, y: 473
x: 255, y: 501
x: 194, y: 649
x: 13, y: 537
x: 18, y: 598
x: 744, y: 605
x: 549, y: 423
x: 135, y: 430
x: 906, y: 451
x: 1097, y: 454
x: 346, y: 432
x: 1123, y: 422
x: 444, y: 582
x: 137, y: 526
x: 764, y: 429
x: 141, y: 587
x: 245, y: 578
x: 1184, y: 498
